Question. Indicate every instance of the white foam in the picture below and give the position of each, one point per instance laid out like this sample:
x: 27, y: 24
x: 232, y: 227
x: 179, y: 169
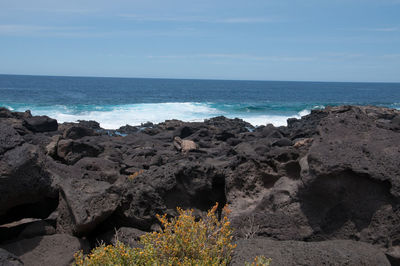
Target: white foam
x: 113, y: 117
x: 9, y: 108
x: 135, y: 114
x: 276, y: 120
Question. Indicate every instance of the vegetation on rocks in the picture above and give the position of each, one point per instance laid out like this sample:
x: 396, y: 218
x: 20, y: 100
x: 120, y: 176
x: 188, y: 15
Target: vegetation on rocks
x: 135, y: 174
x: 259, y: 261
x: 183, y: 241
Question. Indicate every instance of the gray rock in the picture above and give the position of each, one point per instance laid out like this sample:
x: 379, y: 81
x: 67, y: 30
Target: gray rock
x: 5, y: 113
x: 41, y: 124
x: 334, y: 175
x: 9, y: 138
x: 9, y: 259
x: 51, y: 148
x: 282, y: 142
x: 127, y: 235
x: 47, y: 250
x: 84, y: 204
x: 184, y: 145
x: 38, y: 228
x: 393, y: 255
x: 77, y: 132
x: 72, y: 151
x: 23, y: 181
x: 288, y: 253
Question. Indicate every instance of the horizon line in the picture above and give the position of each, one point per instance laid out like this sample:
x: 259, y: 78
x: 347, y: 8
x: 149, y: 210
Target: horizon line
x: 201, y: 79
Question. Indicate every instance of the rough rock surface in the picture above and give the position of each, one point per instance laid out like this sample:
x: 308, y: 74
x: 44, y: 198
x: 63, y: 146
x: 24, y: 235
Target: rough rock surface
x: 184, y: 145
x: 41, y: 124
x: 46, y: 250
x: 38, y: 228
x: 334, y: 174
x: 295, y: 253
x: 24, y: 183
x: 127, y: 235
x: 9, y: 259
x: 83, y: 205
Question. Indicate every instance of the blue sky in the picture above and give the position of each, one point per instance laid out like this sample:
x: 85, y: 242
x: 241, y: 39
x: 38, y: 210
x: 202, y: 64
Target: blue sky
x: 322, y: 40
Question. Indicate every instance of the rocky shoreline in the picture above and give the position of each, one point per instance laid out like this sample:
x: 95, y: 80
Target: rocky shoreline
x: 323, y: 190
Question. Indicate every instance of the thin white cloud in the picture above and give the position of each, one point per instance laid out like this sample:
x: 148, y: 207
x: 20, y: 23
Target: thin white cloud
x: 83, y: 32
x: 234, y: 56
x: 13, y: 28
x: 54, y: 10
x: 329, y: 57
x: 389, y: 29
x: 344, y: 55
x: 356, y: 57
x: 31, y: 29
x: 375, y: 29
x: 196, y: 19
x: 391, y: 56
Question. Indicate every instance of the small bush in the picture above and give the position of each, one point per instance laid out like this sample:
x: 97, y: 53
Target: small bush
x: 183, y: 241
x: 119, y: 254
x: 259, y: 261
x: 135, y: 174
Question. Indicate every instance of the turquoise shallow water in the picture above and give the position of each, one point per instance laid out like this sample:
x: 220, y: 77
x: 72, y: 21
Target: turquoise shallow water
x: 118, y: 101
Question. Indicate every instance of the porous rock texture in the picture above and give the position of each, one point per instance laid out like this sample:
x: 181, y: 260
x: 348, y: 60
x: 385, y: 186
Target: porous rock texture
x: 295, y: 253
x: 329, y: 182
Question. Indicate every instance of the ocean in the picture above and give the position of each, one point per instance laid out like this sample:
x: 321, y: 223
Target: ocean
x: 115, y: 102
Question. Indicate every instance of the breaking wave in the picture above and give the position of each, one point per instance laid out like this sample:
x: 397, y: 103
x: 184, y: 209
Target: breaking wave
x: 115, y: 116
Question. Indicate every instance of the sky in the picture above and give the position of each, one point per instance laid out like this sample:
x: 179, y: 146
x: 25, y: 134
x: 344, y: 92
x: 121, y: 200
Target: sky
x: 300, y: 40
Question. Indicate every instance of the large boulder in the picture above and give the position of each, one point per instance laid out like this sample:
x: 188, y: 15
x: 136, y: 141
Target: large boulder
x: 162, y: 189
x: 9, y: 138
x: 5, y: 113
x: 288, y: 253
x: 25, y: 184
x: 84, y: 204
x: 340, y: 181
x: 354, y: 141
x: 78, y: 131
x: 72, y: 151
x: 351, y: 183
x: 41, y: 124
x: 228, y: 125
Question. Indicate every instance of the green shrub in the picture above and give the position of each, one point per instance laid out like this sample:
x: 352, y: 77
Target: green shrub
x: 259, y: 261
x: 119, y: 254
x: 183, y: 241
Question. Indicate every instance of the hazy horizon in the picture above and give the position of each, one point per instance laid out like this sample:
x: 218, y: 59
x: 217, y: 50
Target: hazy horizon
x: 200, y: 79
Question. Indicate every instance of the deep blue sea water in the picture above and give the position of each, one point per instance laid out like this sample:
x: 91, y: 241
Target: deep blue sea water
x: 115, y: 102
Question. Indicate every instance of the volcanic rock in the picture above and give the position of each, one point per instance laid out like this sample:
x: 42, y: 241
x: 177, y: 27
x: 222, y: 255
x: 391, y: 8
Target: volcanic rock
x: 293, y: 253
x: 331, y: 175
x: 9, y: 138
x: 41, y: 124
x: 77, y: 132
x: 46, y: 250
x: 184, y: 145
x: 9, y: 259
x: 127, y: 235
x: 37, y: 228
x: 24, y: 182
x: 84, y: 204
x: 72, y: 151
